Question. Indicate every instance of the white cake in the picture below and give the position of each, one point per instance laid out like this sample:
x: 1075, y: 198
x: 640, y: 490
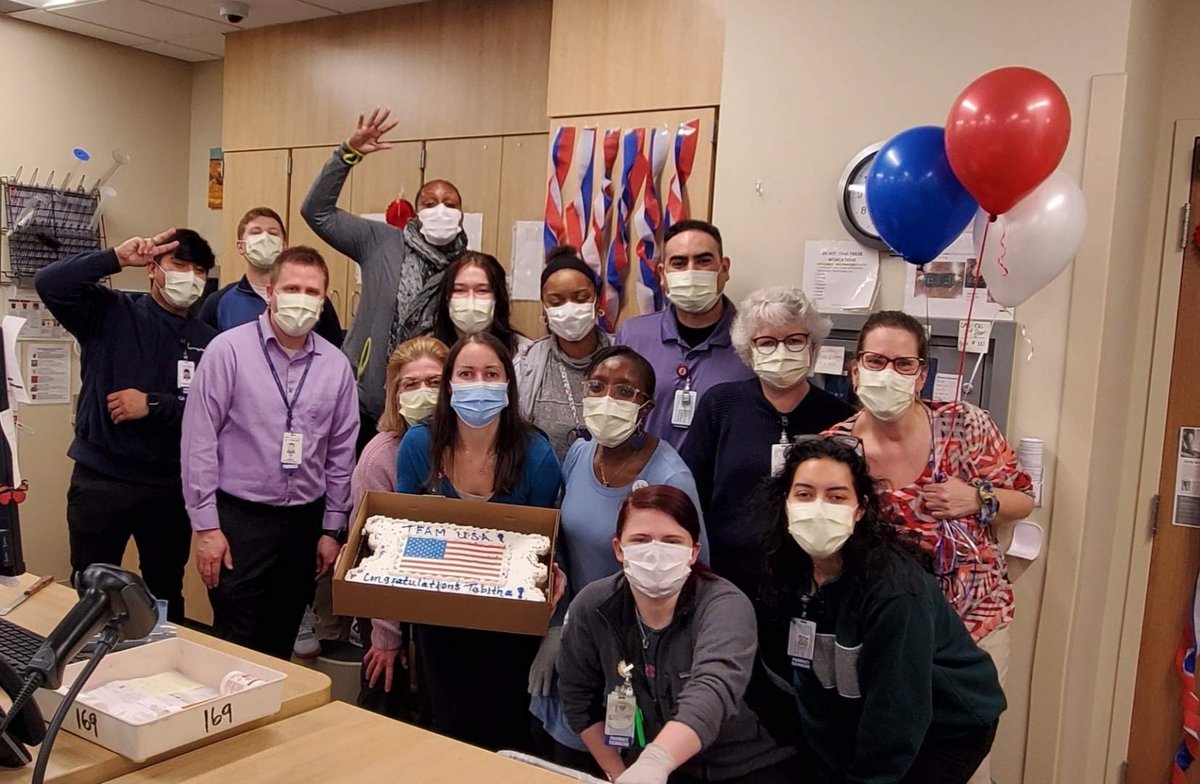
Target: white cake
x: 453, y: 558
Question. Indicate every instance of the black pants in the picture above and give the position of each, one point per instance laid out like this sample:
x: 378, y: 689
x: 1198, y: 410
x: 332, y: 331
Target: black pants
x: 260, y: 602
x: 103, y: 512
x: 368, y: 428
x: 951, y: 762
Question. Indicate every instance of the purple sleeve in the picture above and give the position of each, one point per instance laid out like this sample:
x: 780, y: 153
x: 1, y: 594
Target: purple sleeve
x: 339, y: 461
x: 204, y: 413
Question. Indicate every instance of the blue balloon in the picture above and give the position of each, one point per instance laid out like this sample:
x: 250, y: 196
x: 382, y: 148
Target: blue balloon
x: 919, y: 207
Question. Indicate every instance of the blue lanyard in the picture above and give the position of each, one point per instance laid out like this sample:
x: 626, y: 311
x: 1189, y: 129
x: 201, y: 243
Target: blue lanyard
x: 290, y: 405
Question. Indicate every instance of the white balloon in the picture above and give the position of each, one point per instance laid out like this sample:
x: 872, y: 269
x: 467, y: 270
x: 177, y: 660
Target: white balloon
x: 1031, y: 244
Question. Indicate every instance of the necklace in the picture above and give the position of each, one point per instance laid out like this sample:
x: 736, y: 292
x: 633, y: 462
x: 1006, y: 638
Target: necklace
x: 600, y: 461
x: 642, y: 630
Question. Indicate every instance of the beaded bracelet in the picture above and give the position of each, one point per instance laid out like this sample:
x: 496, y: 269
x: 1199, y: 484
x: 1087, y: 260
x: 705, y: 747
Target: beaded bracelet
x: 989, y: 504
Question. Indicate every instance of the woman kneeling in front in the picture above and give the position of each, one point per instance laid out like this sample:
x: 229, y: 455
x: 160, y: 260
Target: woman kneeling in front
x: 655, y: 660
x: 890, y: 686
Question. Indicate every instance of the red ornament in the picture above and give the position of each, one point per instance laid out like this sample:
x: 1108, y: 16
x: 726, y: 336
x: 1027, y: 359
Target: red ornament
x: 399, y: 213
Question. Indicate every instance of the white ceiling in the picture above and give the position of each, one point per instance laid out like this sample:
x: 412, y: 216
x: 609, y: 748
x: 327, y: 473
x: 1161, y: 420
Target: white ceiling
x: 184, y: 29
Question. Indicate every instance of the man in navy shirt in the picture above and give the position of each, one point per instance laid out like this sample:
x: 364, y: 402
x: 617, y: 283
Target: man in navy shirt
x: 261, y: 238
x: 139, y: 355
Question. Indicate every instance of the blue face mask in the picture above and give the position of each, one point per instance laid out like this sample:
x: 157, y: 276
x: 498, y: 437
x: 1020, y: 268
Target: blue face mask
x: 478, y: 403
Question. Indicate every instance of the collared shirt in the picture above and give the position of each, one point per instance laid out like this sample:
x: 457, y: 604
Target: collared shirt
x: 677, y: 366
x: 235, y: 418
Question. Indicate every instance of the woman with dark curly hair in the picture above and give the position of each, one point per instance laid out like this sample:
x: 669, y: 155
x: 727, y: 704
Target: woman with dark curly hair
x: 890, y: 687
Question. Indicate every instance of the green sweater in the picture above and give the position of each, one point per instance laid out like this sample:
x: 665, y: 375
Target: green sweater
x: 893, y: 667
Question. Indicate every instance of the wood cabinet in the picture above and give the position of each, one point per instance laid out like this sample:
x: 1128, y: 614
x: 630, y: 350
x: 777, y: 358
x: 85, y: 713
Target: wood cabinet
x: 306, y: 164
x: 522, y: 197
x: 473, y: 165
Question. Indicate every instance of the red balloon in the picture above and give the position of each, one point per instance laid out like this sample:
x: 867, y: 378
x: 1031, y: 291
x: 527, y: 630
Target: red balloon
x: 1005, y: 134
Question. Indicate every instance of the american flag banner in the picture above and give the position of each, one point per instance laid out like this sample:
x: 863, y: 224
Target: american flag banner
x: 685, y: 157
x: 633, y: 173
x: 562, y: 146
x: 594, y: 243
x: 579, y: 210
x: 453, y: 559
x: 647, y: 221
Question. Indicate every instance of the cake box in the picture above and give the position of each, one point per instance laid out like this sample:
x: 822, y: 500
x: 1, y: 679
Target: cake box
x: 461, y: 610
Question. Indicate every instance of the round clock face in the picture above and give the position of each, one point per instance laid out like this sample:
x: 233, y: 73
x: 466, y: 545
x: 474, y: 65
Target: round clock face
x: 852, y: 199
x: 856, y: 198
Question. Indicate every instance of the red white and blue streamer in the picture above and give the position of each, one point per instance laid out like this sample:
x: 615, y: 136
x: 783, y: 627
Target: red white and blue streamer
x: 685, y: 156
x: 595, y: 243
x: 633, y: 173
x: 647, y: 222
x: 579, y: 211
x: 1185, y: 662
x: 562, y: 147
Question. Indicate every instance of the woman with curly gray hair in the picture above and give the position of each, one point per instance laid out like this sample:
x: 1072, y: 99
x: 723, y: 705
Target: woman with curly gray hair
x: 742, y: 428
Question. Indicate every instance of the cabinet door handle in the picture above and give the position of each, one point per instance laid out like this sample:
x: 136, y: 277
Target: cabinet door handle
x: 355, y: 299
x: 335, y: 296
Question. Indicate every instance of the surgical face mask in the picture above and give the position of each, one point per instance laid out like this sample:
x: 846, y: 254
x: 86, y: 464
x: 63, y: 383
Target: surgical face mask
x: 440, y: 224
x: 610, y: 421
x: 296, y: 314
x: 478, y: 403
x: 181, y: 289
x: 693, y: 291
x: 262, y: 249
x: 416, y: 405
x: 886, y: 393
x: 781, y: 368
x: 820, y: 528
x: 472, y: 314
x: 572, y: 321
x: 657, y: 569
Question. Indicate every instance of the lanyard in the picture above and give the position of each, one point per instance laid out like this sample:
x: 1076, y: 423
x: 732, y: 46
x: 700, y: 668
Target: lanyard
x: 289, y: 404
x: 570, y: 395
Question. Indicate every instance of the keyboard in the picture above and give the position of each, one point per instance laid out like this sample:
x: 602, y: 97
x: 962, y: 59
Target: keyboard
x: 18, y: 644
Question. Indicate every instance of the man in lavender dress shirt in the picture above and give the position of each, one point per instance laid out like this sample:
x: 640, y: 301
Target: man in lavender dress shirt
x: 268, y: 448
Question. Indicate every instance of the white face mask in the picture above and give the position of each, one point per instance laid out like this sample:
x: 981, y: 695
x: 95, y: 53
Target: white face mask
x: 262, y: 249
x: 820, y: 528
x: 181, y: 289
x: 693, y: 291
x: 416, y: 405
x: 472, y: 314
x: 610, y: 421
x: 296, y: 314
x: 781, y: 368
x: 657, y: 569
x: 572, y: 321
x: 440, y: 224
x: 886, y: 393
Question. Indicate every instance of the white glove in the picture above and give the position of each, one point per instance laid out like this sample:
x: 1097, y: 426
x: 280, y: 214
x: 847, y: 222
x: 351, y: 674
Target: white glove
x: 541, y: 673
x: 652, y: 767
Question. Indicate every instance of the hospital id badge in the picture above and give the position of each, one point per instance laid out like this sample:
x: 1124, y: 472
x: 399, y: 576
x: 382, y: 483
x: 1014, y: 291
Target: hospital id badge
x: 802, y: 636
x: 619, y: 718
x: 684, y: 408
x: 778, y: 458
x: 184, y: 370
x: 291, y: 454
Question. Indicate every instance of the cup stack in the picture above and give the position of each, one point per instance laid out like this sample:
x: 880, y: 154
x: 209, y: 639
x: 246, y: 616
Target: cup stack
x: 1030, y: 453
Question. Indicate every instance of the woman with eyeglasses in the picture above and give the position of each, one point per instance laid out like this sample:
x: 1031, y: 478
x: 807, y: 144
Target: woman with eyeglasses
x: 742, y: 428
x: 949, y: 479
x: 599, y: 473
x: 889, y: 685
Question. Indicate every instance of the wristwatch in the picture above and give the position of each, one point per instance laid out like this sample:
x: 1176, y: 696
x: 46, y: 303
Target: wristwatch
x: 152, y: 400
x: 338, y: 536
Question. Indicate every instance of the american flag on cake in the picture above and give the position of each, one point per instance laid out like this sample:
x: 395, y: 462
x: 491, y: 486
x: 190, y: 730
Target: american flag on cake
x: 465, y: 560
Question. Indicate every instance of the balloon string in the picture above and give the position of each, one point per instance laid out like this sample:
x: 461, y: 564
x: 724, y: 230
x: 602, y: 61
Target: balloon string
x: 1003, y: 250
x: 962, y: 353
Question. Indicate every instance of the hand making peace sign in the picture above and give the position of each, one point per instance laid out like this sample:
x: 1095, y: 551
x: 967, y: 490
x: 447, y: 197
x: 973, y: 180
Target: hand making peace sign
x: 141, y: 252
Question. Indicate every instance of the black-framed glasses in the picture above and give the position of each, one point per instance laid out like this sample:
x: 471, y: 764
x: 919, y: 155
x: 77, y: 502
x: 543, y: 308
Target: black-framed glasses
x: 795, y: 343
x: 593, y: 387
x: 905, y: 366
x: 851, y: 442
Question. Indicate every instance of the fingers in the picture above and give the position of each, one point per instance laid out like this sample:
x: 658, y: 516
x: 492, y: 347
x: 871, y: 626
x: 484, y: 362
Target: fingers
x: 162, y: 237
x: 228, y: 559
x: 372, y: 669
x: 360, y: 121
x: 389, y: 127
x: 380, y: 117
x: 388, y: 673
x: 162, y: 250
x: 114, y: 402
x: 207, y: 572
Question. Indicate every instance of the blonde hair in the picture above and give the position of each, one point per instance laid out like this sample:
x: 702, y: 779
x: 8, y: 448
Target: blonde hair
x: 408, y: 351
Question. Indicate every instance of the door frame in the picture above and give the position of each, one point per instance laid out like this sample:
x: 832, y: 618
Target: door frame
x: 1159, y: 339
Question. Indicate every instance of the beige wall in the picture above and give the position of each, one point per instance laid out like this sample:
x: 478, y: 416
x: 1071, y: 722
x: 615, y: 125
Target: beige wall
x: 207, y: 83
x: 64, y: 91
x: 806, y: 85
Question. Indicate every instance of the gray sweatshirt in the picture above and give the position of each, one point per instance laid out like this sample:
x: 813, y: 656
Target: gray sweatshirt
x: 380, y: 250
x: 701, y: 669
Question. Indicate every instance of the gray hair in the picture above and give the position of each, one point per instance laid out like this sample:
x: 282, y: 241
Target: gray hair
x: 777, y: 306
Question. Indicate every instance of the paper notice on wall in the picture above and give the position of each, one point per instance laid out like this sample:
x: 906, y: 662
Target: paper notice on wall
x: 40, y: 324
x: 17, y: 391
x: 831, y: 360
x: 943, y: 288
x: 1187, y: 479
x: 840, y: 274
x: 978, y: 340
x: 473, y: 226
x: 527, y: 258
x: 945, y: 387
x: 49, y: 373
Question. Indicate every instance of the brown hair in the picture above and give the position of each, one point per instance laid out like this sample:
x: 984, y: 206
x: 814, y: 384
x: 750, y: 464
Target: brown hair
x: 896, y: 320
x: 672, y: 502
x: 260, y: 212
x: 408, y: 351
x: 303, y: 256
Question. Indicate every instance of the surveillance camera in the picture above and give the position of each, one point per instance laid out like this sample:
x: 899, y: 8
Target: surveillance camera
x: 233, y: 11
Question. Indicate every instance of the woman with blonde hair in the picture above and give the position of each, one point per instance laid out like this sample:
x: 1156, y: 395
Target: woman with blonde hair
x: 412, y: 385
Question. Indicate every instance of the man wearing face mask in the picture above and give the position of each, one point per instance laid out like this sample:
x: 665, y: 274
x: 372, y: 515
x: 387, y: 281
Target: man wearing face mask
x: 689, y: 343
x: 402, y: 269
x: 268, y: 450
x: 127, y: 421
x: 261, y: 238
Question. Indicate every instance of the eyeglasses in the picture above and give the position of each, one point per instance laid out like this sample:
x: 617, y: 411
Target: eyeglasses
x: 14, y: 494
x: 794, y: 343
x: 595, y: 388
x: 409, y: 384
x: 905, y: 366
x: 853, y: 443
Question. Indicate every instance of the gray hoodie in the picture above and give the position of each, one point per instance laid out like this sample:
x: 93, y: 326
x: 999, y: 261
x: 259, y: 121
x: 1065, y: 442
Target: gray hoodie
x: 702, y: 668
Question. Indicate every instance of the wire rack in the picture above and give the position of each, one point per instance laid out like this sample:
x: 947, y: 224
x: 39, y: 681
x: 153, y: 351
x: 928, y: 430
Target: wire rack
x: 59, y: 225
